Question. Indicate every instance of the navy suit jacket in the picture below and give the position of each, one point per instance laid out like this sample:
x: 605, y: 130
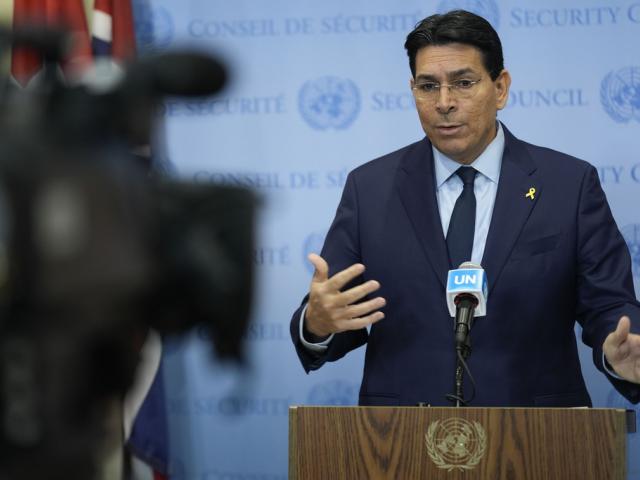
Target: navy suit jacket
x: 550, y: 261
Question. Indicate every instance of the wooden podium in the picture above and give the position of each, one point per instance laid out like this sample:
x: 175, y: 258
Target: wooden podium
x: 400, y: 443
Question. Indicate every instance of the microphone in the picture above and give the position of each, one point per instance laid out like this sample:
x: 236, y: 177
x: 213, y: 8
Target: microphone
x: 185, y: 74
x: 466, y: 298
x: 129, y: 98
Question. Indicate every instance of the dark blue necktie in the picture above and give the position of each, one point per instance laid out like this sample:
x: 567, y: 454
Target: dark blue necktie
x: 463, y: 220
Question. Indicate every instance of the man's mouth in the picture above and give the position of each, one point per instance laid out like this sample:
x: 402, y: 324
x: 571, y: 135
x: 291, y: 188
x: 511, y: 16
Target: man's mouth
x: 449, y: 128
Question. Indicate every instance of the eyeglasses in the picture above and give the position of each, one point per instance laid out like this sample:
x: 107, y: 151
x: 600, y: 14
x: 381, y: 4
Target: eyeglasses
x: 430, y: 91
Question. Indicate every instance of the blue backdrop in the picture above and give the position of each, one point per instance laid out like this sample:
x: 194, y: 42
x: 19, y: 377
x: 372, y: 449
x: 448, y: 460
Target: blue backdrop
x: 317, y: 89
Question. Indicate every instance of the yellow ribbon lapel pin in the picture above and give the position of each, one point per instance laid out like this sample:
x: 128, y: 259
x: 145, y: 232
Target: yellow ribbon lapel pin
x: 531, y: 194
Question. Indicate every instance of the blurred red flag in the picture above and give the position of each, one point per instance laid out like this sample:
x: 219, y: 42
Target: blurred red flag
x: 65, y: 14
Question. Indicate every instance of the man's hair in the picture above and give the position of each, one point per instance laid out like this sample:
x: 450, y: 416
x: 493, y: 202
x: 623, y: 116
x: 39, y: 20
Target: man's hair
x: 457, y: 26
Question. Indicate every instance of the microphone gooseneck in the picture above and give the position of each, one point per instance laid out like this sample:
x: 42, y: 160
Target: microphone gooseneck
x: 466, y: 299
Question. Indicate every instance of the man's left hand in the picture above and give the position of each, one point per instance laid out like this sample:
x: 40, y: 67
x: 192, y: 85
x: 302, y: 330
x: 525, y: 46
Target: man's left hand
x: 622, y: 351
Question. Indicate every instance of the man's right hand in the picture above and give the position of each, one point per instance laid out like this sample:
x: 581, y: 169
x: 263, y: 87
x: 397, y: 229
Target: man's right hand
x: 330, y: 310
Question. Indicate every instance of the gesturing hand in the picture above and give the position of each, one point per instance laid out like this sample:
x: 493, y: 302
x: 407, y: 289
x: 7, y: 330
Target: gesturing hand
x: 622, y: 350
x: 331, y: 310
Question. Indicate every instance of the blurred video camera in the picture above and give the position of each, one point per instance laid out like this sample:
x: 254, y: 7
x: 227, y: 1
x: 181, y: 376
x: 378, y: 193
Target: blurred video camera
x: 95, y: 249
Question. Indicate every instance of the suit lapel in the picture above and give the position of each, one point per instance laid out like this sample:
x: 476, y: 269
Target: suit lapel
x: 515, y: 200
x: 416, y: 186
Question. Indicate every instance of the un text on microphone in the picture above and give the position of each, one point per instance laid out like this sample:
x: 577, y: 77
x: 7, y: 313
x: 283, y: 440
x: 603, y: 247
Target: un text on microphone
x: 470, y: 280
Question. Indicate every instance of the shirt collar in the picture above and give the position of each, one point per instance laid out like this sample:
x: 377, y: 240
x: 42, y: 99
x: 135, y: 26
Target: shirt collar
x: 488, y: 163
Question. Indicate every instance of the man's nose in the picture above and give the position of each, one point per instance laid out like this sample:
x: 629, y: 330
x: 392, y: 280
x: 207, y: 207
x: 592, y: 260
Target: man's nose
x: 445, y: 102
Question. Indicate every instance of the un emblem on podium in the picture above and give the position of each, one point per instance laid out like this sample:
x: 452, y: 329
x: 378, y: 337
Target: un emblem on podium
x: 487, y: 9
x: 329, y: 102
x: 456, y: 443
x: 620, y: 94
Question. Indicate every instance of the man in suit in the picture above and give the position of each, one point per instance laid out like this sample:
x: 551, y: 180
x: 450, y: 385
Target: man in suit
x: 537, y: 220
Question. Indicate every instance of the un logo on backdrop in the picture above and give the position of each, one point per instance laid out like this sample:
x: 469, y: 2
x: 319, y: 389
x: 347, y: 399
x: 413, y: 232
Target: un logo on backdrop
x: 154, y: 28
x: 333, y: 392
x: 487, y: 9
x: 329, y: 102
x: 312, y: 244
x: 620, y: 94
x: 631, y: 234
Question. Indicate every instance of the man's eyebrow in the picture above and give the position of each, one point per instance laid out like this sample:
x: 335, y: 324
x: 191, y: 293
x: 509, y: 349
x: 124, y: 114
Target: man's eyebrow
x: 454, y: 74
x: 460, y: 73
x: 426, y: 78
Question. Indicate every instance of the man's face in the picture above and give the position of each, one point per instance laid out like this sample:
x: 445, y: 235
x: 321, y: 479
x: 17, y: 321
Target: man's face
x: 460, y: 123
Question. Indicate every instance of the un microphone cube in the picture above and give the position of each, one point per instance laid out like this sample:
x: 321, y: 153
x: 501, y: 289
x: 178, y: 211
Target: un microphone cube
x: 472, y: 281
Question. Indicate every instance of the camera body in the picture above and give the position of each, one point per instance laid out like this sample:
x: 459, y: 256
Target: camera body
x: 95, y: 249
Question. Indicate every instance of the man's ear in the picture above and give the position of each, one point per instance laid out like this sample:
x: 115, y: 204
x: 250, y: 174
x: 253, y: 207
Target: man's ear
x: 502, y: 85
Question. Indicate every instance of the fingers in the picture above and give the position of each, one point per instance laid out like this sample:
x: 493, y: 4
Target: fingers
x: 340, y: 279
x: 360, y: 309
x: 354, y: 317
x: 615, y: 348
x: 617, y: 337
x: 362, y: 322
x: 321, y: 272
x: 331, y: 310
x: 356, y: 293
x: 343, y: 277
